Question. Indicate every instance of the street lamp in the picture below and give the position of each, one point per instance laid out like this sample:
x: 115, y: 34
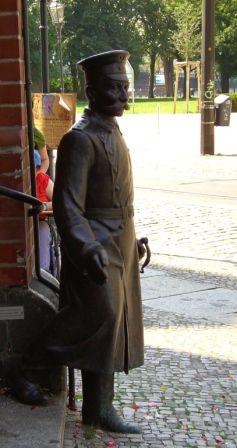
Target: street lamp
x: 56, y: 10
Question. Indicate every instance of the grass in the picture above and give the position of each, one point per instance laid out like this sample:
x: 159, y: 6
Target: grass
x: 150, y: 106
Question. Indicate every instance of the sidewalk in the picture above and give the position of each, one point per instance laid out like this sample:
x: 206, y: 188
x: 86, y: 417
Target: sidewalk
x: 24, y: 426
x: 185, y: 394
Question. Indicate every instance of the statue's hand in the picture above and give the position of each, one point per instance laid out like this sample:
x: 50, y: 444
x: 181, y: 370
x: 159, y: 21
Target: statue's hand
x: 141, y: 248
x: 96, y: 266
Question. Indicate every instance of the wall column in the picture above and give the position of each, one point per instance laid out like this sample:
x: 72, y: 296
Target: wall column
x: 16, y: 229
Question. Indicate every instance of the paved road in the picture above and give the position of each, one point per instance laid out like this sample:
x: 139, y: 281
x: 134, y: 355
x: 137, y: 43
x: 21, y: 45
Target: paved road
x: 185, y: 203
x: 185, y: 394
x: 189, y: 233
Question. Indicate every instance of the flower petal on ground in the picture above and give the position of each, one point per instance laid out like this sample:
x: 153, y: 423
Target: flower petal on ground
x: 111, y: 443
x: 220, y: 441
x: 134, y: 406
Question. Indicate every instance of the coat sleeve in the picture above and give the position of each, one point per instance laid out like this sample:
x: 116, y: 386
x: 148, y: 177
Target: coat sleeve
x: 74, y: 161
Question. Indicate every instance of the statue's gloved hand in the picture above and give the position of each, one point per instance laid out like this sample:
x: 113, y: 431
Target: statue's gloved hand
x: 96, y: 265
x: 141, y: 248
x: 144, y: 249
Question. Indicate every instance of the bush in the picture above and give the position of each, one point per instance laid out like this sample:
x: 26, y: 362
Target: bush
x: 55, y: 85
x: 234, y: 101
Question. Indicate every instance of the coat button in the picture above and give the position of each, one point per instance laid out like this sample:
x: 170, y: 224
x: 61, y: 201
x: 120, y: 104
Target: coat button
x: 117, y: 187
x: 117, y: 204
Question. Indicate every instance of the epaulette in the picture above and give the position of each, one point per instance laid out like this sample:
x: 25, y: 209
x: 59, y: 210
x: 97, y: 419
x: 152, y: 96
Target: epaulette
x: 80, y: 125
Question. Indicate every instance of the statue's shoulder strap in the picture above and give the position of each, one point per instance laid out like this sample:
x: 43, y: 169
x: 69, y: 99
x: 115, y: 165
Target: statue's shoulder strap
x: 83, y: 126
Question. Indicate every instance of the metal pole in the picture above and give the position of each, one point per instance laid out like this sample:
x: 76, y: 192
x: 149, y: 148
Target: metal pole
x: 44, y: 46
x: 59, y: 34
x: 208, y: 78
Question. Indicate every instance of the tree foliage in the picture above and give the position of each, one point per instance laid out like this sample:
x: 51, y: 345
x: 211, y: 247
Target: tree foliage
x: 226, y: 40
x: 155, y: 22
x: 35, y: 46
x: 168, y: 29
x: 187, y: 33
x: 90, y: 26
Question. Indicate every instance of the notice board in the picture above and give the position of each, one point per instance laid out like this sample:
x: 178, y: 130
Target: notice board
x: 54, y: 114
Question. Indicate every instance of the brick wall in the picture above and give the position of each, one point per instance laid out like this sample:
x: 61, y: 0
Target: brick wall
x: 16, y: 229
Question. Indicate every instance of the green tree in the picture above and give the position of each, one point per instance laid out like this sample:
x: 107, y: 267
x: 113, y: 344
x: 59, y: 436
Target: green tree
x: 90, y: 26
x: 154, y: 23
x: 187, y: 33
x: 186, y: 36
x: 95, y: 26
x: 169, y: 52
x: 34, y: 35
x: 226, y: 41
x: 35, y: 48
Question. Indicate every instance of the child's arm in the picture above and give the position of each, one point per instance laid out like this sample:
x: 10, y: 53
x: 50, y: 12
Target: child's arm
x: 49, y: 189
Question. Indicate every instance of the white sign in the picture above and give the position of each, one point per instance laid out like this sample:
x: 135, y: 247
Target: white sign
x: 11, y: 312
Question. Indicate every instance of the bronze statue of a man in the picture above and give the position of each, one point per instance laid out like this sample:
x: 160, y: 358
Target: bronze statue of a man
x: 99, y: 326
x: 93, y: 209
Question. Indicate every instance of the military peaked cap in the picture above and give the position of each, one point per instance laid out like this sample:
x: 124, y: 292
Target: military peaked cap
x: 111, y: 64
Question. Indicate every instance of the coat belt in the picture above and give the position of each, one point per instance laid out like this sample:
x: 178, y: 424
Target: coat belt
x: 110, y: 213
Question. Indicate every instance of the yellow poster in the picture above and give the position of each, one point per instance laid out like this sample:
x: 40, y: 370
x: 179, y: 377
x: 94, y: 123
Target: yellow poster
x: 54, y: 114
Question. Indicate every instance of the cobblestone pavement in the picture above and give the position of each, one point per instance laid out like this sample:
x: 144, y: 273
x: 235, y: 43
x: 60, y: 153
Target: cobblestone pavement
x: 185, y: 394
x: 185, y: 203
x: 189, y: 234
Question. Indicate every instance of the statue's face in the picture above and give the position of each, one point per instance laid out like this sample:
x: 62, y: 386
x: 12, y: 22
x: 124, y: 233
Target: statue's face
x: 109, y: 97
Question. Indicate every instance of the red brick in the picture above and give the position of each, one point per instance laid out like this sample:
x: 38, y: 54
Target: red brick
x: 12, y: 229
x: 10, y: 208
x: 13, y: 276
x: 10, y: 116
x: 10, y: 162
x: 12, y: 253
x: 11, y: 48
x: 9, y: 25
x: 14, y: 181
x: 10, y: 5
x: 11, y: 70
x: 13, y: 137
x: 13, y: 94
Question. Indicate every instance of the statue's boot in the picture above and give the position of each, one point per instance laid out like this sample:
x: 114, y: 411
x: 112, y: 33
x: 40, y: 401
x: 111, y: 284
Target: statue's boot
x: 25, y: 391
x: 97, y: 407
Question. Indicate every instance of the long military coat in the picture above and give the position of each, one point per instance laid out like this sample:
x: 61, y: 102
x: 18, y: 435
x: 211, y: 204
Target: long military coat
x: 101, y: 326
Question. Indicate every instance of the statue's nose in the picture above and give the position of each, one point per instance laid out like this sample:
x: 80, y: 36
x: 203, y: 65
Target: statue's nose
x: 123, y: 95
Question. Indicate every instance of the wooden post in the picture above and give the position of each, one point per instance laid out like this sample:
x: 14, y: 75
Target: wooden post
x: 176, y: 87
x: 188, y: 64
x: 199, y: 86
x: 187, y: 84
